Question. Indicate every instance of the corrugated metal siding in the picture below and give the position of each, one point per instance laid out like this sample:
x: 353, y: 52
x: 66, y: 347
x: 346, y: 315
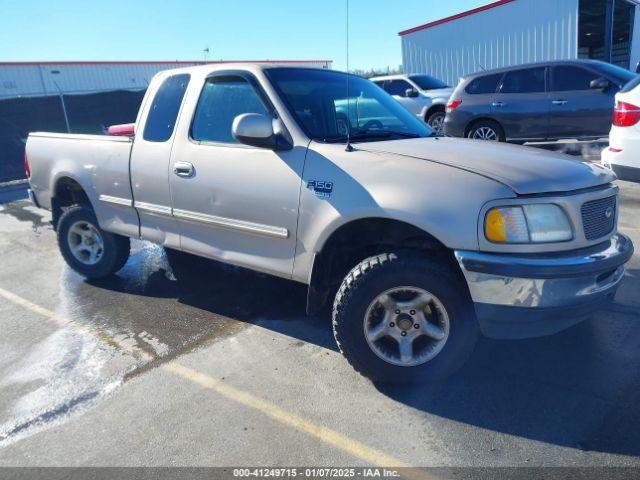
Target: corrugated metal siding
x: 520, y: 32
x: 30, y: 80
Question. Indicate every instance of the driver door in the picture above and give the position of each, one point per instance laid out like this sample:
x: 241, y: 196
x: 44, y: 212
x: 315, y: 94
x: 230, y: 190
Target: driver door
x: 234, y: 202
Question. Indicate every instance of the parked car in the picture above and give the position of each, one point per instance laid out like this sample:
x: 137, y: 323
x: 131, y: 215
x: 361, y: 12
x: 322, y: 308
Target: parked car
x: 422, y: 95
x: 541, y: 101
x: 623, y: 153
x: 426, y: 239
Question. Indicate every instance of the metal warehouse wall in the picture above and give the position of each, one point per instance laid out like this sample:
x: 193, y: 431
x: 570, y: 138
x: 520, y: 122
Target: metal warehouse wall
x: 514, y: 33
x: 27, y: 80
x: 72, y: 78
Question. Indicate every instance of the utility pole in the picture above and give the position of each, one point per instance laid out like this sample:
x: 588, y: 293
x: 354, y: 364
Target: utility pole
x: 64, y: 106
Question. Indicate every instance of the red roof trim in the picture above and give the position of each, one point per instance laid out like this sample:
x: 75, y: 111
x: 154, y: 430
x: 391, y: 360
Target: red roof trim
x: 153, y: 62
x: 456, y: 17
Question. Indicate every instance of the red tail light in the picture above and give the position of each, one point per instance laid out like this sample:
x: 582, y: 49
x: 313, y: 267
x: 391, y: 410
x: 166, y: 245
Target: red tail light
x: 453, y: 104
x: 126, y: 130
x: 27, y: 170
x: 625, y: 114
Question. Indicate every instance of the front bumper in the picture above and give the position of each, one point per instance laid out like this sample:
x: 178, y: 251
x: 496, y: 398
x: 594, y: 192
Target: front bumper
x: 522, y: 296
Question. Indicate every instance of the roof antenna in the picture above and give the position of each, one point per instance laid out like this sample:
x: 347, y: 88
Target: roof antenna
x: 349, y: 147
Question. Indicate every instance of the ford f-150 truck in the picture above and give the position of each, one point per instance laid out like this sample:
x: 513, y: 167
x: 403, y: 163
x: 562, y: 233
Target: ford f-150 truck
x: 428, y: 241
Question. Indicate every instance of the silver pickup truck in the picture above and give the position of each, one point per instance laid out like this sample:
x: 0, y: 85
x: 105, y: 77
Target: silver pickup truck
x: 427, y: 241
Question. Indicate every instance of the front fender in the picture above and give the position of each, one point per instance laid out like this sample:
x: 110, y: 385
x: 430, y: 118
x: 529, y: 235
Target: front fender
x: 442, y: 201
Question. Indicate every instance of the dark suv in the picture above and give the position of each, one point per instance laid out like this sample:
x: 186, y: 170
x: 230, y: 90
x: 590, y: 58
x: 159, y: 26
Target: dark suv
x: 541, y: 101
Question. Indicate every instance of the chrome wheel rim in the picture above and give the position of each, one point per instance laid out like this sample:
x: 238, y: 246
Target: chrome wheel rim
x: 485, y: 133
x: 437, y: 124
x: 406, y: 326
x: 85, y: 242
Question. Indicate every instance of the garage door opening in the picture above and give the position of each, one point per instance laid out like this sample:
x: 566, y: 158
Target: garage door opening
x: 604, y: 30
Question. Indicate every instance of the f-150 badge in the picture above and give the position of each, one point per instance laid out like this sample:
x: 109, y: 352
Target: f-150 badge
x: 320, y: 188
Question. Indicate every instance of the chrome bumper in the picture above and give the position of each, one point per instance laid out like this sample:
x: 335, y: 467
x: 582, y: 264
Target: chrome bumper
x: 521, y: 296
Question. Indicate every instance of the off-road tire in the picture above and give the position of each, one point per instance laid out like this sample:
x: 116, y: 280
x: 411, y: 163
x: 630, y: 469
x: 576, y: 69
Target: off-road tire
x: 116, y: 247
x: 379, y: 273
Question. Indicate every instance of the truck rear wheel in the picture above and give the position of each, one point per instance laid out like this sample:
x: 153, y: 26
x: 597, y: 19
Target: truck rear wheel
x: 402, y: 318
x: 87, y: 248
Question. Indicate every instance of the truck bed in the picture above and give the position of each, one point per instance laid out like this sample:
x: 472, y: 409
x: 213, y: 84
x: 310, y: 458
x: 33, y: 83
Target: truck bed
x: 98, y: 163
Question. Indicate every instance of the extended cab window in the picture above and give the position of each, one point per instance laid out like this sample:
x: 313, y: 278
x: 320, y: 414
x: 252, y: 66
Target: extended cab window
x: 484, y: 85
x: 566, y: 78
x: 529, y: 80
x: 221, y: 101
x: 163, y: 112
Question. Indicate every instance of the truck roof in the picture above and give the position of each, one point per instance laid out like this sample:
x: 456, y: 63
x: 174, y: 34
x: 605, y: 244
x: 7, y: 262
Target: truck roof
x: 248, y: 66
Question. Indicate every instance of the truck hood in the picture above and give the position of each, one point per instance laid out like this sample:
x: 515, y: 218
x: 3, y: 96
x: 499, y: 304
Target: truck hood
x: 525, y: 170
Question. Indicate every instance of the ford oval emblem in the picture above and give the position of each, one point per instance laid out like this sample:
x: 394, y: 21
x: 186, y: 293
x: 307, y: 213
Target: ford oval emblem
x: 608, y: 213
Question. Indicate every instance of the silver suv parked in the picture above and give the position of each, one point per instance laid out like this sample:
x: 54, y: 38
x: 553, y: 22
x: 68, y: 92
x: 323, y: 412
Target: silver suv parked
x: 423, y: 95
x: 543, y: 101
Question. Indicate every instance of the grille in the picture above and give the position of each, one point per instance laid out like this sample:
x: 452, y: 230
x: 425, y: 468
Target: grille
x: 594, y: 217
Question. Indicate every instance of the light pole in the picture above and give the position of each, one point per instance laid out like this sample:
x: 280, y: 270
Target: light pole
x: 64, y: 106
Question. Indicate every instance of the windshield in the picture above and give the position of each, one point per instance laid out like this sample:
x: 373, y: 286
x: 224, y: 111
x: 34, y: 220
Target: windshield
x: 318, y: 100
x: 425, y: 82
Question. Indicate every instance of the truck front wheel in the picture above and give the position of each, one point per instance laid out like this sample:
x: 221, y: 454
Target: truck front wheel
x: 87, y: 248
x: 402, y: 318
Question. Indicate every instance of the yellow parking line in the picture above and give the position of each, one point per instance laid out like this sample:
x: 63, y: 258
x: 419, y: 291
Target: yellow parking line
x: 326, y: 435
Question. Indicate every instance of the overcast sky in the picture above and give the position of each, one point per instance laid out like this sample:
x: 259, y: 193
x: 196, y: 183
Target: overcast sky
x: 32, y: 30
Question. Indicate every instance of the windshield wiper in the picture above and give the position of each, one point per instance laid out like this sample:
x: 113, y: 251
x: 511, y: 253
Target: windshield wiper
x: 371, y: 134
x: 363, y: 135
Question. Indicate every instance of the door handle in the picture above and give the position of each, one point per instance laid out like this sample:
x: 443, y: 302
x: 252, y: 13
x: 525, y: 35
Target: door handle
x: 184, y: 169
x: 559, y: 102
x: 498, y: 104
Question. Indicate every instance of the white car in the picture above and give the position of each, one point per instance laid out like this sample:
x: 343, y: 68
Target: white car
x: 623, y: 153
x: 423, y: 95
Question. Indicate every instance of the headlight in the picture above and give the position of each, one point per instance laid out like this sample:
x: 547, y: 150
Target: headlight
x: 537, y: 223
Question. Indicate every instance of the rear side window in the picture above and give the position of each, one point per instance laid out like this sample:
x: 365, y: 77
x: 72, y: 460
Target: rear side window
x: 484, y: 85
x: 164, y: 109
x: 530, y: 80
x: 221, y: 101
x: 567, y: 78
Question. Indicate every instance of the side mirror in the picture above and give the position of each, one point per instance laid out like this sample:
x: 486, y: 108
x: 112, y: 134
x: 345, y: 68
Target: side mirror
x: 411, y: 93
x: 599, y: 84
x: 256, y: 130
